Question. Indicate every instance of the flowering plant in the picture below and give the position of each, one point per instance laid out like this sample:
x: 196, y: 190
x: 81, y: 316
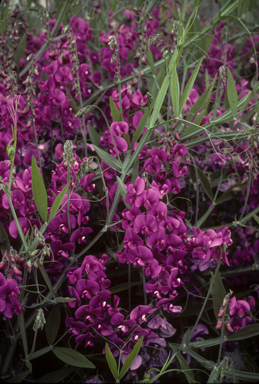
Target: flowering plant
x: 128, y: 192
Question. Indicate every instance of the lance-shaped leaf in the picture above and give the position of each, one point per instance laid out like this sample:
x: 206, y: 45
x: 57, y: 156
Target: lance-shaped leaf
x: 251, y: 330
x: 256, y: 218
x: 163, y: 90
x: 39, y: 191
x: 205, y: 184
x: 40, y: 352
x: 232, y: 93
x: 121, y: 287
x: 123, y: 191
x: 58, y: 200
x: 73, y: 103
x: 56, y: 376
x: 142, y: 124
x: 111, y: 362
x: 189, y: 86
x: 4, y: 240
x: 184, y: 366
x: 94, y: 135
x: 230, y: 192
x: 72, y: 357
x: 4, y: 20
x: 47, y: 280
x: 53, y: 323
x: 218, y: 293
x: 130, y: 358
x: 20, y: 49
x: 135, y: 170
x: 19, y: 378
x: 108, y: 159
x: 202, y: 102
x: 175, y: 90
x: 116, y: 115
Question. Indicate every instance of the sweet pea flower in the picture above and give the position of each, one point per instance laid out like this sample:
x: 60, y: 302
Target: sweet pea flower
x: 146, y: 224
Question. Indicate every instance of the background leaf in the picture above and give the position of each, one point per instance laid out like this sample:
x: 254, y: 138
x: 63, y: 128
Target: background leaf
x: 4, y: 240
x: 56, y: 376
x: 175, y: 91
x: 20, y: 49
x: 94, y: 135
x: 116, y: 116
x: 229, y: 194
x: 72, y: 357
x: 232, y: 93
x: 218, y: 293
x: 184, y: 366
x: 53, y: 323
x: 205, y: 184
x: 39, y: 191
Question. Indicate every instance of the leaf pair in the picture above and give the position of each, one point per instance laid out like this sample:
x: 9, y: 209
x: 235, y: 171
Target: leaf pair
x: 40, y: 194
x: 127, y: 364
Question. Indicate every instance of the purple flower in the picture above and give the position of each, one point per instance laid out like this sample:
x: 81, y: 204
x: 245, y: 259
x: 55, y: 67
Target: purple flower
x: 146, y: 224
x: 140, y: 255
x: 80, y: 235
x: 134, y: 190
x: 141, y: 312
x: 147, y: 199
x: 86, y: 288
x: 238, y: 306
x: 119, y: 128
x: 131, y: 240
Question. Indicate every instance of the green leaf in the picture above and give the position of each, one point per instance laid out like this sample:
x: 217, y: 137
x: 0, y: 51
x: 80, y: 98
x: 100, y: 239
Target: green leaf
x: 72, y: 357
x: 232, y: 93
x: 20, y: 49
x: 205, y: 184
x: 141, y: 124
x: 20, y: 377
x: 47, y: 280
x: 135, y: 170
x: 202, y: 102
x: 39, y: 191
x: 150, y: 61
x: 256, y: 218
x: 53, y: 323
x: 63, y: 300
x: 116, y: 116
x: 175, y: 91
x: 251, y: 330
x: 111, y: 361
x: 123, y: 191
x: 229, y: 194
x: 184, y: 366
x: 60, y: 16
x: 139, y: 148
x: 130, y: 358
x: 161, y: 95
x: 94, y: 135
x: 121, y: 287
x: 108, y: 159
x: 3, y: 23
x: 218, y: 293
x: 4, y: 240
x: 73, y: 103
x: 40, y: 352
x: 56, y: 376
x: 189, y: 86
x: 58, y: 200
